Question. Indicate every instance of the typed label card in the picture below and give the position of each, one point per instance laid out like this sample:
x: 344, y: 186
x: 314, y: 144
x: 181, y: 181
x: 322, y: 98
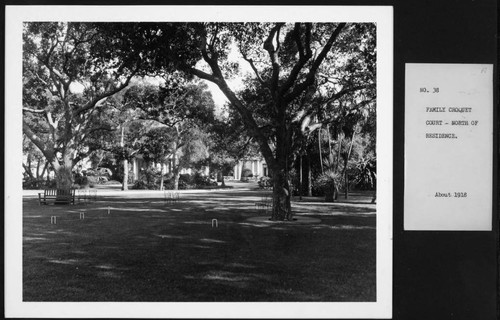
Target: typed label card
x: 448, y: 147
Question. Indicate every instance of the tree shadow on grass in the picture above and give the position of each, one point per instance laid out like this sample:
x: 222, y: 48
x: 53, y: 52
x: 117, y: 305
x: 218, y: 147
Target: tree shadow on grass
x: 148, y: 250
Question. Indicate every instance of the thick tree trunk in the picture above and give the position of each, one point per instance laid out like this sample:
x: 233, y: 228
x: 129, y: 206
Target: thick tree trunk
x: 125, y: 175
x: 282, y: 191
x: 63, y: 174
x: 282, y: 209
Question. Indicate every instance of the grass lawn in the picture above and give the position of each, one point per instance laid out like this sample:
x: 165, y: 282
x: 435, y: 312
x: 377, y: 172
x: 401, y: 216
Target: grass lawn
x: 147, y: 250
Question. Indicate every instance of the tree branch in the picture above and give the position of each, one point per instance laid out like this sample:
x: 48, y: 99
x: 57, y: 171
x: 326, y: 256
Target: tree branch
x: 249, y: 121
x: 91, y: 104
x: 273, y: 55
x: 252, y: 65
x: 303, y: 58
x: 55, y: 75
x: 343, y: 92
x: 33, y: 110
x: 202, y: 74
x: 298, y: 42
x: 298, y: 89
x: 52, y: 125
x: 42, y: 146
x: 99, y: 128
x: 211, y: 60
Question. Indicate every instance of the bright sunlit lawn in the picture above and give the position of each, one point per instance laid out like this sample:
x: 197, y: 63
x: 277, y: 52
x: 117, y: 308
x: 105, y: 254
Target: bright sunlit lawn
x: 148, y: 250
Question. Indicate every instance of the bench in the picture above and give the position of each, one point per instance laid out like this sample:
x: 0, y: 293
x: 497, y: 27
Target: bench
x: 57, y: 196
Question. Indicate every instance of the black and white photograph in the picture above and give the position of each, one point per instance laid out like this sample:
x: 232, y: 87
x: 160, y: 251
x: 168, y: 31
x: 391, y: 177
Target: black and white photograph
x: 172, y: 161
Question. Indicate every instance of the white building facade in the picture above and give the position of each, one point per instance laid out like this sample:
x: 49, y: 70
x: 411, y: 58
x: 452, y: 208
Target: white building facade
x: 257, y: 166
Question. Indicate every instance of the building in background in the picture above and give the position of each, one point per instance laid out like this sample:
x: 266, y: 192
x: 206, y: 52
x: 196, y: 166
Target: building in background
x: 258, y: 166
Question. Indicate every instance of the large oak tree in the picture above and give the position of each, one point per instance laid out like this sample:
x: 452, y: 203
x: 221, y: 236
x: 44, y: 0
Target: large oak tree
x: 287, y: 60
x: 69, y: 70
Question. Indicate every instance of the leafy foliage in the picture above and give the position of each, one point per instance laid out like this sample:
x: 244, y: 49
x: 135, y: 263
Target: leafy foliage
x: 156, y: 145
x: 307, y: 87
x: 70, y: 69
x: 265, y: 182
x: 366, y: 173
x: 179, y: 110
x: 298, y: 69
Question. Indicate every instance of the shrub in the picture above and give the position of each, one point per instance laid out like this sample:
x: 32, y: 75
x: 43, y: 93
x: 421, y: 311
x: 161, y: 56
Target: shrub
x: 328, y: 181
x: 168, y: 184
x: 34, y: 184
x: 100, y: 175
x: 81, y: 180
x: 30, y: 183
x: 265, y: 183
x: 140, y: 185
x: 143, y: 185
x: 168, y: 176
x: 186, y: 177
x: 202, y: 181
x: 52, y: 184
x: 92, y: 180
x: 118, y: 176
x: 152, y: 175
x: 365, y: 173
x: 186, y: 181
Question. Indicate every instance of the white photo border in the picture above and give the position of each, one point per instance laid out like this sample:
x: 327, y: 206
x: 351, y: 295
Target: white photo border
x: 14, y: 18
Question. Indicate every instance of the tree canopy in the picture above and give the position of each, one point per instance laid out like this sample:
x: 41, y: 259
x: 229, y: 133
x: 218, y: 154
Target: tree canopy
x: 299, y: 79
x: 182, y: 108
x: 69, y: 70
x: 292, y: 65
